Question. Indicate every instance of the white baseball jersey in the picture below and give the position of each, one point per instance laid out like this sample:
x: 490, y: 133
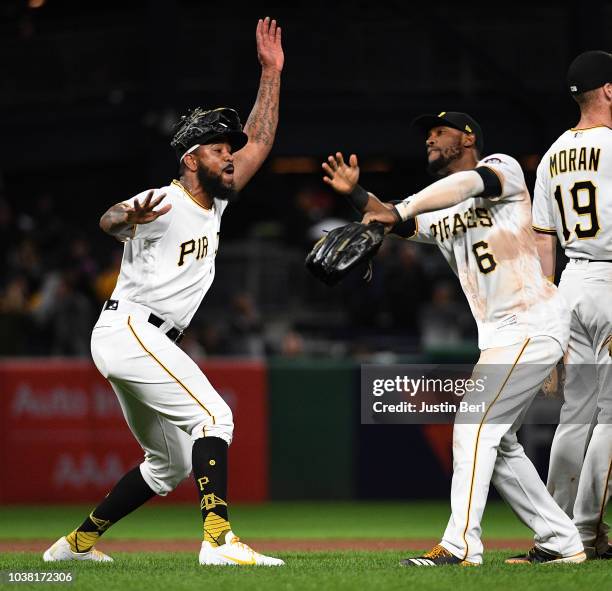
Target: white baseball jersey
x: 490, y: 245
x: 573, y: 193
x: 169, y: 264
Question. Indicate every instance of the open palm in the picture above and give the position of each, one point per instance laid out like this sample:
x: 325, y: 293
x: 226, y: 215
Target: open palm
x: 339, y: 175
x: 269, y: 46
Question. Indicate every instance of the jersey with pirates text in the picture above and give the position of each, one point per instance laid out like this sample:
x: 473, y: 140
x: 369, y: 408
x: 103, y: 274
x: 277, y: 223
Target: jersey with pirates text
x: 169, y: 264
x: 573, y: 193
x: 490, y: 245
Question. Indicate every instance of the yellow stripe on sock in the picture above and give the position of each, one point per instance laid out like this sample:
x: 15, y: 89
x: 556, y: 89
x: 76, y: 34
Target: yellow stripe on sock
x: 214, y: 526
x: 82, y: 541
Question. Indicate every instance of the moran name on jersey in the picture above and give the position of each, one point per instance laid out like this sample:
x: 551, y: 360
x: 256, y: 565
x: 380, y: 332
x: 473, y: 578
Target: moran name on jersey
x: 573, y: 159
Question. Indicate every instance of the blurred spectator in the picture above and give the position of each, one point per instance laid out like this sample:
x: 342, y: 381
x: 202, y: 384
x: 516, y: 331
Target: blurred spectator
x: 245, y: 327
x: 407, y: 288
x: 104, y: 283
x: 313, y: 216
x: 445, y: 322
x: 71, y: 320
x: 14, y: 317
x: 213, y: 340
x: 292, y: 344
x: 192, y: 346
x: 66, y: 313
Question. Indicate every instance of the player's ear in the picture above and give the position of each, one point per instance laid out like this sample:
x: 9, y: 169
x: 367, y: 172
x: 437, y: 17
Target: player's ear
x: 469, y: 140
x: 190, y: 162
x: 607, y: 88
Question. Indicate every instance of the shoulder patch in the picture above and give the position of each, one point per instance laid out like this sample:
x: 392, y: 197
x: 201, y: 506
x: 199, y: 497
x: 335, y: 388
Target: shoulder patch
x: 492, y: 161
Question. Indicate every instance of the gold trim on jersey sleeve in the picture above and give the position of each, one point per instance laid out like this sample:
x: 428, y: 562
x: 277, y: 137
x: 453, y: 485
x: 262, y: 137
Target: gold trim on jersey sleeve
x: 544, y: 230
x: 129, y: 321
x: 469, y: 507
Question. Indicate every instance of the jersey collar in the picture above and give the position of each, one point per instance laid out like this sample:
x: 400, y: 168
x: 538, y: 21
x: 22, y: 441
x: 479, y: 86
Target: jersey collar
x: 182, y: 188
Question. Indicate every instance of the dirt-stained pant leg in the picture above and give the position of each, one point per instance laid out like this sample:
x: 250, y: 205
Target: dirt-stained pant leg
x: 167, y: 401
x: 580, y: 398
x: 593, y: 493
x: 514, y: 376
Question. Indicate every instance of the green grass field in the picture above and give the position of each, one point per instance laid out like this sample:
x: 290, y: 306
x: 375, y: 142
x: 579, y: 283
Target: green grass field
x: 319, y: 571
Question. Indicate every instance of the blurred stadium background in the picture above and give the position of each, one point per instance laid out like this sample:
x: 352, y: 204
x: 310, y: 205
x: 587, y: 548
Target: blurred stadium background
x: 89, y: 92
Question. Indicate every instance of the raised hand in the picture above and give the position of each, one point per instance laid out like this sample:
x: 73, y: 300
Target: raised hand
x: 146, y: 213
x: 269, y: 46
x: 341, y: 177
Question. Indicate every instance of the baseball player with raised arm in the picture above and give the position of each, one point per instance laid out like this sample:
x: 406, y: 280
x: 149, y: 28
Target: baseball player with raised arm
x: 479, y: 216
x: 171, y: 238
x: 573, y: 201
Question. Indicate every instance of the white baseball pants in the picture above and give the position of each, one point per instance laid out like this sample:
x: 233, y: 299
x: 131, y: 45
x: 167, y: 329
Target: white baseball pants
x: 166, y: 400
x: 485, y: 449
x: 580, y: 463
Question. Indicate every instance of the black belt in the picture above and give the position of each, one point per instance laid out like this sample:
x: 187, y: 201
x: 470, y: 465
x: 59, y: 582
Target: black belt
x: 174, y: 334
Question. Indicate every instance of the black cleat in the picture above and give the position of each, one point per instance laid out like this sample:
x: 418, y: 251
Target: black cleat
x: 538, y: 556
x: 607, y: 555
x: 437, y: 556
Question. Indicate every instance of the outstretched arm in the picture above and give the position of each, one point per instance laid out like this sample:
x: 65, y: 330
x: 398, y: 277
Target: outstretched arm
x: 262, y: 122
x: 444, y: 193
x: 343, y: 178
x: 120, y: 219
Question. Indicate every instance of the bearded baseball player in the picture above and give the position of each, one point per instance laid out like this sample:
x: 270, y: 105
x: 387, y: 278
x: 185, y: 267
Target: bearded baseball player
x: 573, y: 202
x: 479, y: 216
x: 171, y: 238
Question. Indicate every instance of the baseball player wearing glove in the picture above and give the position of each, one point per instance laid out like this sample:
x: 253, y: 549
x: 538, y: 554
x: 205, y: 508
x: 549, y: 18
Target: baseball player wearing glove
x: 479, y: 216
x: 171, y: 238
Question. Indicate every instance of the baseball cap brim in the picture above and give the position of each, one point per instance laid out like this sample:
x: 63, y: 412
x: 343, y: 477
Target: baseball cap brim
x: 424, y: 123
x: 236, y: 139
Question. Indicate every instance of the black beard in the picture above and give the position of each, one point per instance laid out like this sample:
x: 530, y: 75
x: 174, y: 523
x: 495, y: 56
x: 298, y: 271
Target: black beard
x: 214, y: 186
x: 439, y: 166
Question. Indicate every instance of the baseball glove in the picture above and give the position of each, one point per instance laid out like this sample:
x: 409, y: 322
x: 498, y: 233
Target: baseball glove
x: 343, y: 249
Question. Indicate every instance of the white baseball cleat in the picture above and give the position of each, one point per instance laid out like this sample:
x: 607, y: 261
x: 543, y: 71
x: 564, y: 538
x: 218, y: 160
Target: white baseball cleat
x: 61, y: 551
x: 234, y: 552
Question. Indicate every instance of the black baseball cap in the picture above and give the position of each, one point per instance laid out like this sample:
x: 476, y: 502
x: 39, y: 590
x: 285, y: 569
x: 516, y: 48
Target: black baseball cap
x: 589, y: 70
x: 461, y: 121
x: 200, y: 127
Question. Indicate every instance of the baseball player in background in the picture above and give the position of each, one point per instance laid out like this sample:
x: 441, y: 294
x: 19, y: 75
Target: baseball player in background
x: 479, y: 216
x: 573, y: 201
x: 171, y: 238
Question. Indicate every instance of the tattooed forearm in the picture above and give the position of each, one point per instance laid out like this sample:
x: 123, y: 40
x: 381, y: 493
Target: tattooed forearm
x: 262, y: 122
x: 114, y: 221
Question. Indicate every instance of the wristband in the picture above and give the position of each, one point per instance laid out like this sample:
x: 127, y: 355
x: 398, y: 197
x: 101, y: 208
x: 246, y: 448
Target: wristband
x: 404, y: 210
x: 358, y: 198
